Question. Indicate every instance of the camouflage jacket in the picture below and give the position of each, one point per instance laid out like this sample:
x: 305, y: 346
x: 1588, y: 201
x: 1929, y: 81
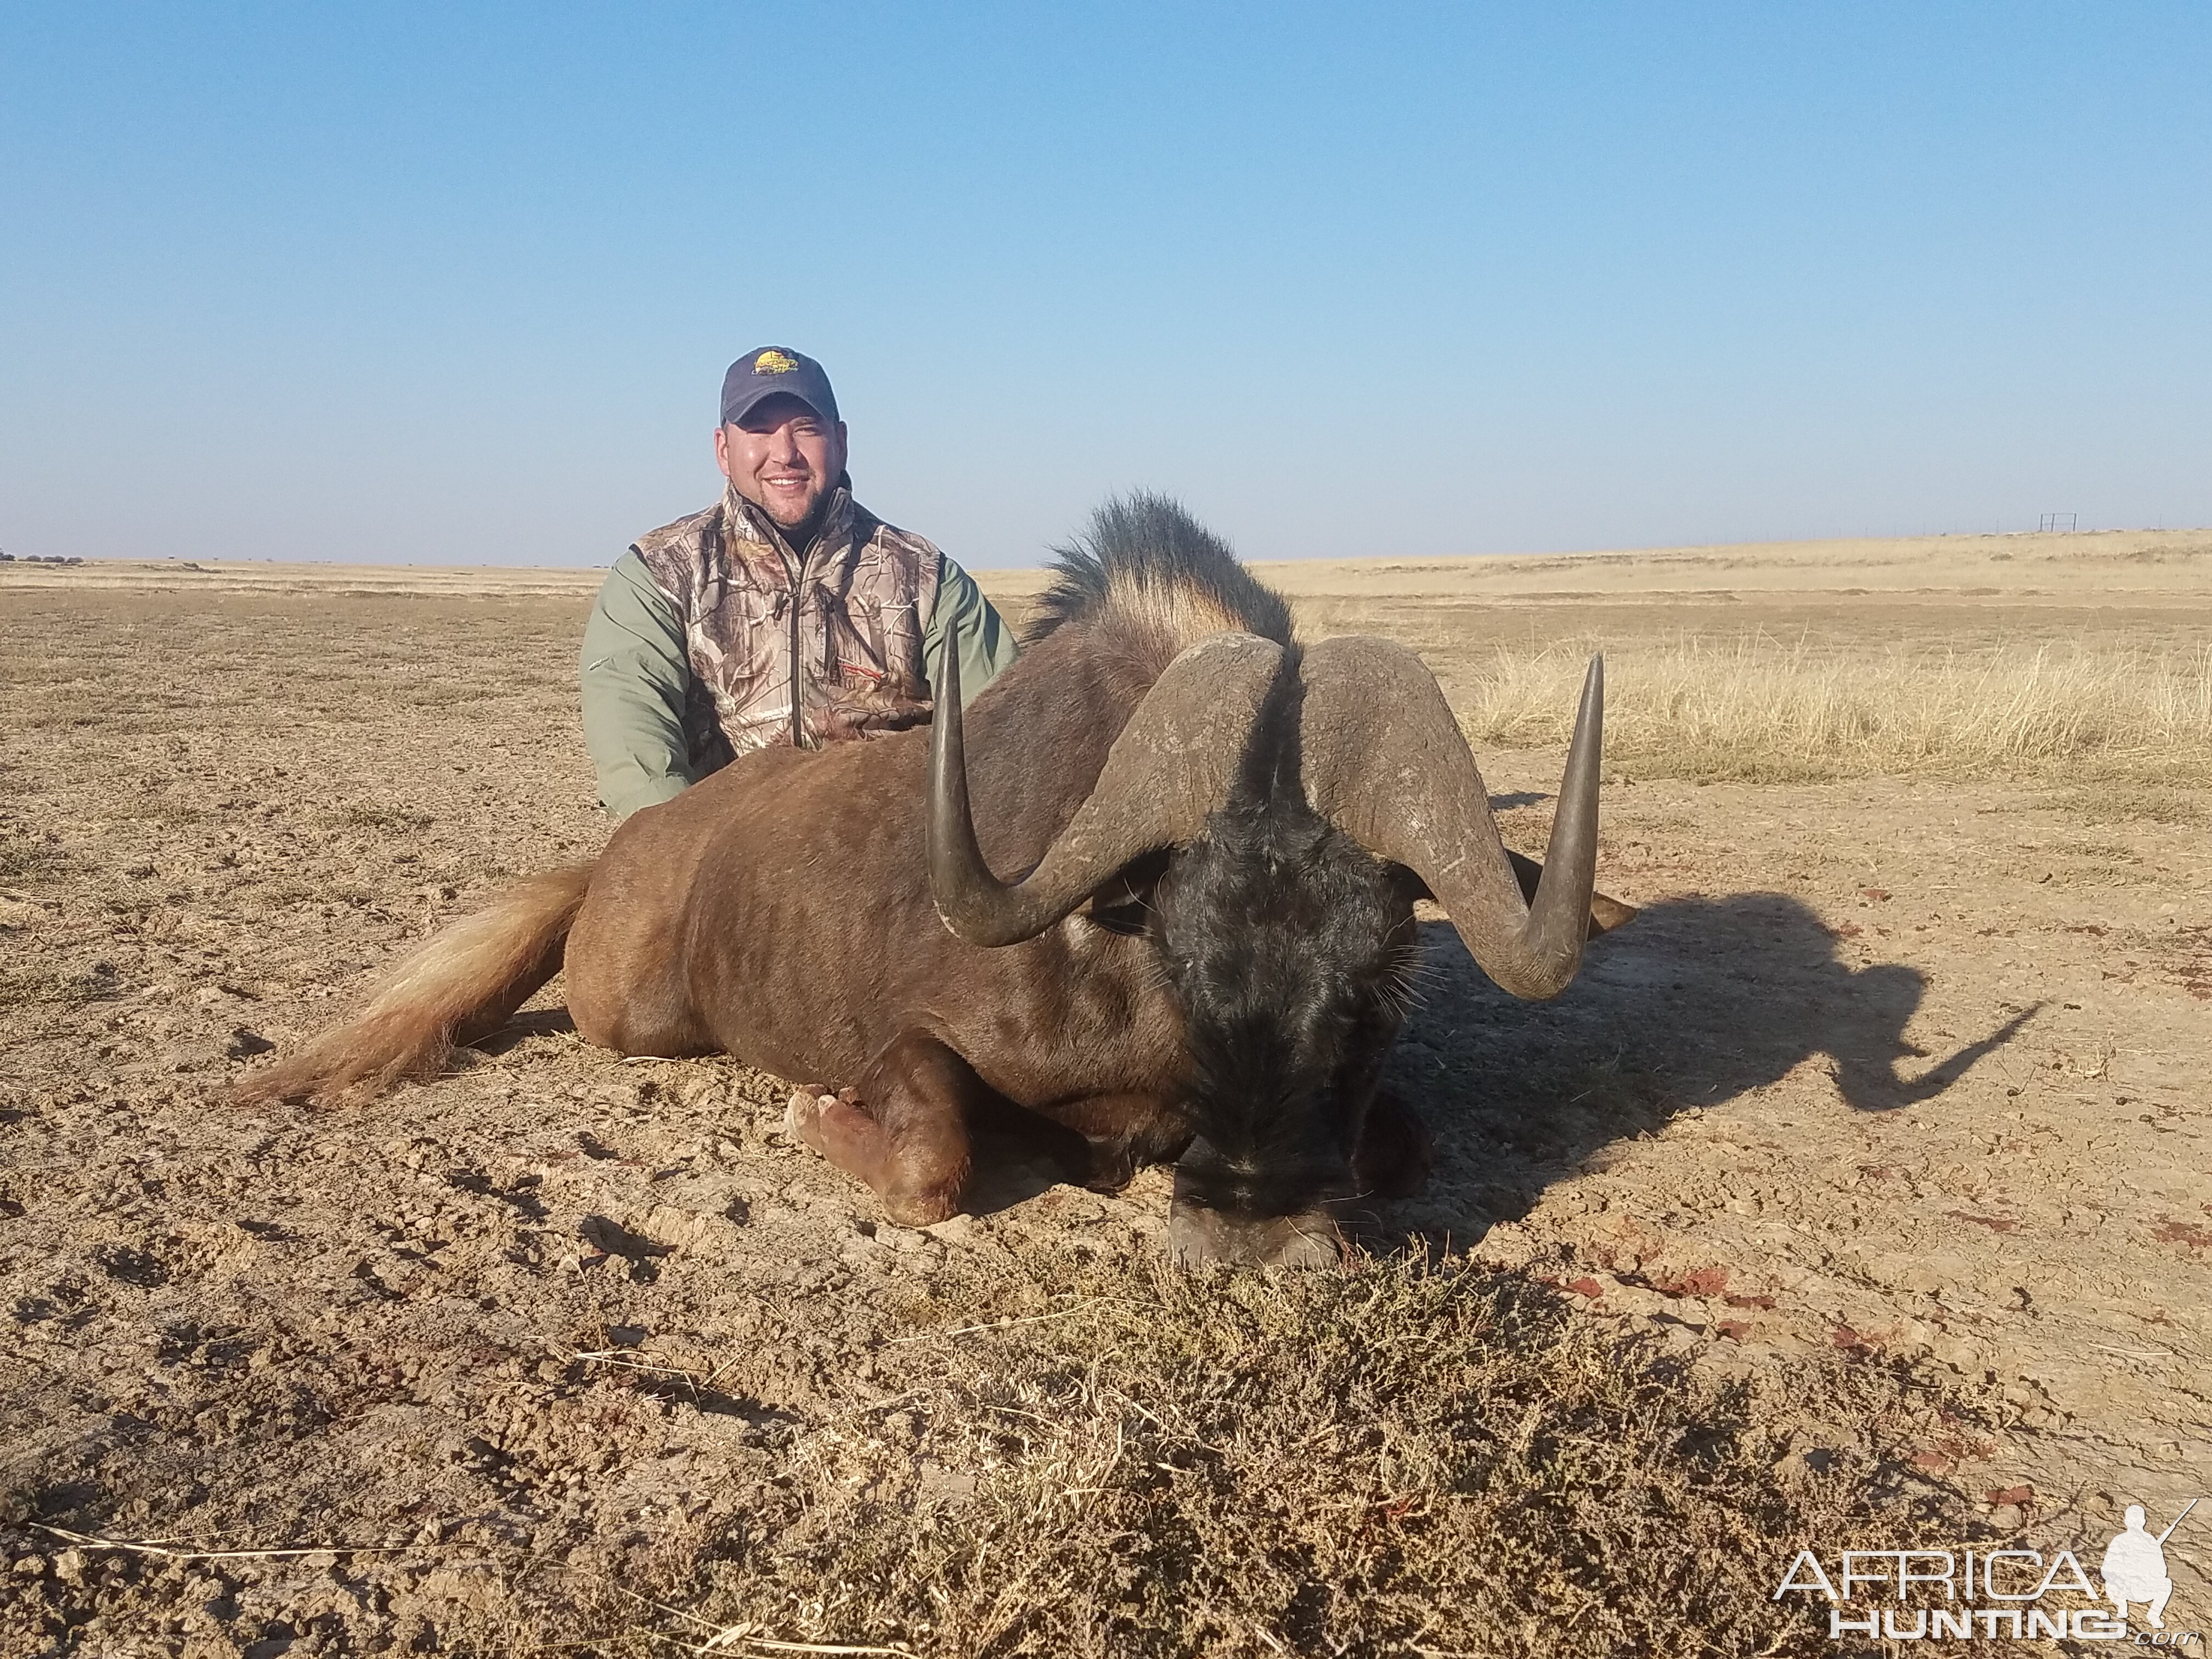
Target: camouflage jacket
x: 714, y: 636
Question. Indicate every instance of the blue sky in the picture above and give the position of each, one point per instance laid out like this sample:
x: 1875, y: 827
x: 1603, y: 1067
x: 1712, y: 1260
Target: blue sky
x: 457, y: 283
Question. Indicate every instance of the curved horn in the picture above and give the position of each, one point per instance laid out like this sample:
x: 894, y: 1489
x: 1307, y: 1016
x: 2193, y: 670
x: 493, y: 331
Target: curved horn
x: 1173, y: 764
x: 1385, y: 762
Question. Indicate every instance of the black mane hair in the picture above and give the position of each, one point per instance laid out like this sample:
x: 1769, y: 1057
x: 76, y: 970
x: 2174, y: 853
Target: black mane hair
x: 1150, y: 544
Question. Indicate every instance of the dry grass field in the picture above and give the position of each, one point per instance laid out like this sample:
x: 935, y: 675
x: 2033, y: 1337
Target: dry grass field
x: 1858, y: 1195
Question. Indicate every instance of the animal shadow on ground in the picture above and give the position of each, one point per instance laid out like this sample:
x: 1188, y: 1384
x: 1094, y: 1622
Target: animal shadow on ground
x: 1695, y: 1002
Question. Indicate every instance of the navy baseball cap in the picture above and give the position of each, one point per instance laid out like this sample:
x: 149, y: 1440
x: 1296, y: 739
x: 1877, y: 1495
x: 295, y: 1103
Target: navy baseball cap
x: 774, y: 371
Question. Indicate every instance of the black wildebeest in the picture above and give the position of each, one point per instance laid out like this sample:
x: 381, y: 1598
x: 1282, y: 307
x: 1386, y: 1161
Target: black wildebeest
x: 1220, y: 836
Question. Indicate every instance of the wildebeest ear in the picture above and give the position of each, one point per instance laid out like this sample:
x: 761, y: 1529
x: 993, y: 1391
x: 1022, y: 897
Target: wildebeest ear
x: 1606, y: 914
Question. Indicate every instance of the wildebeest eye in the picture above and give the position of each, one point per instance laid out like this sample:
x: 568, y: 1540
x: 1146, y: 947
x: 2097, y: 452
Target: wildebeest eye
x: 1125, y: 919
x: 1121, y: 905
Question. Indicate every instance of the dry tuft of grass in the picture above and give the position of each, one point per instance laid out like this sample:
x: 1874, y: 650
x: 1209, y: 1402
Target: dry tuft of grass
x: 1398, y: 1458
x: 24, y: 855
x: 1764, y: 710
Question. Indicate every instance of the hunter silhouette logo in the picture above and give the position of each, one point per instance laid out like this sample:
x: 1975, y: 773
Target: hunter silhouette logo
x: 2135, y: 1566
x: 773, y: 362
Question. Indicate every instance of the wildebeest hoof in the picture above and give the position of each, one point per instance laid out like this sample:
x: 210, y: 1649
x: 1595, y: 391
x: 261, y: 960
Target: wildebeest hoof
x: 802, y: 1113
x: 1108, y: 1168
x: 1197, y: 1236
x: 803, y: 1110
x: 920, y: 1209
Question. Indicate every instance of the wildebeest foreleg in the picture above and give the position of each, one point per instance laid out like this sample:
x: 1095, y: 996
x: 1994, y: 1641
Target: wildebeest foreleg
x: 904, y: 1130
x: 1121, y: 1133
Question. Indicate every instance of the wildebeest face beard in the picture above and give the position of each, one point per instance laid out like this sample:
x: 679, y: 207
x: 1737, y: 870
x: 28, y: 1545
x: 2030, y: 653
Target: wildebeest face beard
x: 1290, y: 949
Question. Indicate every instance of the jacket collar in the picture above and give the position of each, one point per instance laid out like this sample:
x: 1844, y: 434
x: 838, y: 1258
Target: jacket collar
x: 755, y: 535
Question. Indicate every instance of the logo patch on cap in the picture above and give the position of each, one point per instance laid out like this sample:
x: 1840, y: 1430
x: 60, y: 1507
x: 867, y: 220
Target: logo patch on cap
x: 773, y: 362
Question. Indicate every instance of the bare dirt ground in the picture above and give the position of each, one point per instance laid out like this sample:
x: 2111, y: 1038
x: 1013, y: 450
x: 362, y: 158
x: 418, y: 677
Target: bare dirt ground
x: 1860, y: 1193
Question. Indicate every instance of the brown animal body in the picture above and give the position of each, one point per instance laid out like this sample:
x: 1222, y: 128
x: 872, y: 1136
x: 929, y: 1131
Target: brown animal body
x: 1204, y: 960
x: 781, y: 910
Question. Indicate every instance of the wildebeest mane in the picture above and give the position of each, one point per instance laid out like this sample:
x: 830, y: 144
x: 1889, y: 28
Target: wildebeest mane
x: 1145, y: 559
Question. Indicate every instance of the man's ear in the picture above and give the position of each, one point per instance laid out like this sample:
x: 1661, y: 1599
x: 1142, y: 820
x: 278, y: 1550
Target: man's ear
x: 722, y: 449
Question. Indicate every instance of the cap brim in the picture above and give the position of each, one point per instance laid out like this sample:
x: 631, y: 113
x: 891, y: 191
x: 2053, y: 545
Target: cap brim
x: 760, y: 394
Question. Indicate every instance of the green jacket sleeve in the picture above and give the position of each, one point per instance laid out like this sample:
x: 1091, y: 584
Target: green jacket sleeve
x: 985, y: 644
x: 635, y: 678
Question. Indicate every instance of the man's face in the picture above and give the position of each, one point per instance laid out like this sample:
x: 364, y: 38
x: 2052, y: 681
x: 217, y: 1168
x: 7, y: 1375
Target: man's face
x: 783, y: 458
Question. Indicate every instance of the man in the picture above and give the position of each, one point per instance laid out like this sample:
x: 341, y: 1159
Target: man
x: 2134, y: 1568
x: 786, y: 613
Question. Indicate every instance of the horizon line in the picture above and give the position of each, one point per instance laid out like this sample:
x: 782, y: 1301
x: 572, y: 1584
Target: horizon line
x: 52, y: 559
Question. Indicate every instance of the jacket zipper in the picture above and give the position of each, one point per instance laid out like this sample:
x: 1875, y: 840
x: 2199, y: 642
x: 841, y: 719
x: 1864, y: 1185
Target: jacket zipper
x: 798, y: 664
x: 796, y: 576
